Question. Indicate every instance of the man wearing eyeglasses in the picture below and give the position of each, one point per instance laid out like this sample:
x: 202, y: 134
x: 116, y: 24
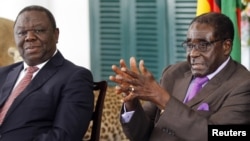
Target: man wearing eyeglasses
x: 170, y: 110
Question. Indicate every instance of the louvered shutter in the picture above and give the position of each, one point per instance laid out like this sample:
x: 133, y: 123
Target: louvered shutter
x: 152, y: 30
x: 149, y: 32
x: 180, y: 14
x: 105, y: 34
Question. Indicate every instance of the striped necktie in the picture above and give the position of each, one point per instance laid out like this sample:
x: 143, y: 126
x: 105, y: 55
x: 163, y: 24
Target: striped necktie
x: 17, y: 90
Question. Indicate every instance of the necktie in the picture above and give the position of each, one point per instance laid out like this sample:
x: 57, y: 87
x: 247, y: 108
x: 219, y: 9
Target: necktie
x: 195, y: 87
x: 17, y: 90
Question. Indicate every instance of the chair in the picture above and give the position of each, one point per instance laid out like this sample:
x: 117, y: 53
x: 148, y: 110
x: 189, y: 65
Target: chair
x: 100, y: 86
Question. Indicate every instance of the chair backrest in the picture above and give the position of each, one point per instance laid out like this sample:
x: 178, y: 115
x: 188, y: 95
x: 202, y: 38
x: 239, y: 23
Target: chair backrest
x: 101, y: 87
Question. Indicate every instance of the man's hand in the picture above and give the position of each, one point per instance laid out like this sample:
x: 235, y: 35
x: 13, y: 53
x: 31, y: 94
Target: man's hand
x: 137, y: 83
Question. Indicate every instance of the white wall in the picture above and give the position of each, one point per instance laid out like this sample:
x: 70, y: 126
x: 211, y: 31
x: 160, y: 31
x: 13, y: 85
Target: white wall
x: 72, y: 18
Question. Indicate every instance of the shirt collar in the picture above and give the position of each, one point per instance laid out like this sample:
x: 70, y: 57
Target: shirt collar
x: 39, y: 65
x: 210, y: 76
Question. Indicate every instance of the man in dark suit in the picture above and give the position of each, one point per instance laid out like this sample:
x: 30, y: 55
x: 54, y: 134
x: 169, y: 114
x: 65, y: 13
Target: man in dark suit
x: 57, y: 104
x: 166, y: 114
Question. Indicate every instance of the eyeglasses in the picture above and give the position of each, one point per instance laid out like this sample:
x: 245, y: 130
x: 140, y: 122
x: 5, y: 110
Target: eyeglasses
x: 201, y: 46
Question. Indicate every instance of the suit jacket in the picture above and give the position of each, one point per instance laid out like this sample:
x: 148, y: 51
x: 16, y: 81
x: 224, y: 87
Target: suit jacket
x: 56, y: 106
x: 226, y: 96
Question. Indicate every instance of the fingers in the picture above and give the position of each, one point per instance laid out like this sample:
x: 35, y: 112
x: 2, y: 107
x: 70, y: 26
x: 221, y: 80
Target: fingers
x: 122, y: 63
x: 123, y: 75
x: 119, y: 74
x: 144, y: 70
x: 135, y: 82
x: 116, y: 79
x: 124, y: 89
x: 126, y: 78
x: 130, y: 97
x: 116, y: 69
x: 133, y: 65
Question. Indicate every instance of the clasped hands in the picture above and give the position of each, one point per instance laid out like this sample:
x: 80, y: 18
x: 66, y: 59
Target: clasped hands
x: 138, y: 83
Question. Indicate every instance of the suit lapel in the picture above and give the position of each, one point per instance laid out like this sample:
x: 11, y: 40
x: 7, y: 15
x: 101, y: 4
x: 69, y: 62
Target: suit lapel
x: 39, y: 80
x: 182, y: 86
x: 208, y: 89
x: 9, y: 84
x: 214, y: 83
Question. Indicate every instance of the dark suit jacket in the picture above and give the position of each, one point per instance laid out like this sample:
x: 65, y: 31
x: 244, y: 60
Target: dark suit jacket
x: 56, y: 106
x: 227, y: 95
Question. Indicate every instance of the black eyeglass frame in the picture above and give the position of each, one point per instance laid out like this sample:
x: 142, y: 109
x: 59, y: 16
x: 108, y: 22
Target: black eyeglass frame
x: 201, y: 47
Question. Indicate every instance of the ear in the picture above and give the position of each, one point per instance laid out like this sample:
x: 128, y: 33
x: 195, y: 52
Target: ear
x: 227, y: 47
x: 57, y: 34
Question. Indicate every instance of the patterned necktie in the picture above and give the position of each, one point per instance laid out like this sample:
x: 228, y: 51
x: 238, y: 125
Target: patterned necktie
x: 195, y: 87
x: 17, y: 90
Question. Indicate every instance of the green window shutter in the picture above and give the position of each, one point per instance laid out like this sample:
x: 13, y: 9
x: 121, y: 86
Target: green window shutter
x: 149, y: 42
x: 179, y: 14
x: 105, y: 35
x: 152, y: 30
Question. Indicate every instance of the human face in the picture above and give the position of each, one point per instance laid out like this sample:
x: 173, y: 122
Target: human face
x: 206, y: 62
x: 35, y: 38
